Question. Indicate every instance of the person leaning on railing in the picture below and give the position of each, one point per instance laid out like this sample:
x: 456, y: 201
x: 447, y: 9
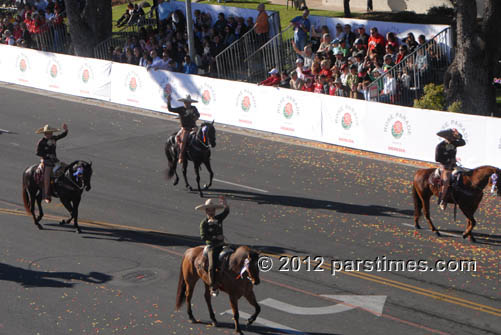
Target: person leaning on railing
x: 262, y: 27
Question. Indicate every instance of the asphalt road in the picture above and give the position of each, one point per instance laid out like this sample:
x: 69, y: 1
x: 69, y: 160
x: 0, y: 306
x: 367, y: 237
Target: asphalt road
x: 120, y: 275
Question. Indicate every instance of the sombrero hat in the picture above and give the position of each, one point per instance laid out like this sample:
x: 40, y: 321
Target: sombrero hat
x: 210, y: 203
x: 46, y: 129
x: 448, y: 134
x: 187, y: 99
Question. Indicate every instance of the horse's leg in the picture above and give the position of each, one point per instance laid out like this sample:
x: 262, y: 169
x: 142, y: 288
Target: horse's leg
x: 236, y: 315
x: 67, y: 204
x: 76, y: 203
x: 211, y: 174
x: 190, y: 288
x: 251, y: 298
x: 418, y: 205
x: 468, y: 211
x: 426, y: 210
x: 208, y: 300
x: 197, y: 173
x: 174, y: 167
x: 36, y: 196
x: 185, y: 167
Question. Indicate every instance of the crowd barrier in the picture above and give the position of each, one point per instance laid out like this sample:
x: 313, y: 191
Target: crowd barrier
x: 376, y: 127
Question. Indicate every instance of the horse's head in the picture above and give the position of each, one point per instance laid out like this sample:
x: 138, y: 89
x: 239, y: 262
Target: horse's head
x: 82, y: 172
x: 208, y: 133
x: 249, y: 264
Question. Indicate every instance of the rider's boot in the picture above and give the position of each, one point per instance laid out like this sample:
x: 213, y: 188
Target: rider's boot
x: 212, y: 278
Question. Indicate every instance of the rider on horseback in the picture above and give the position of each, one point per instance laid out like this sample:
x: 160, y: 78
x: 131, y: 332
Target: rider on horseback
x: 445, y: 154
x: 46, y: 149
x: 211, y: 231
x: 188, y: 116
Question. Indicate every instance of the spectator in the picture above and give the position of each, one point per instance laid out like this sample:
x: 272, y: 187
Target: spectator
x: 411, y: 42
x: 189, y: 67
x: 321, y: 85
x: 325, y: 45
x: 339, y: 33
x: 302, y: 27
x: 376, y: 41
x: 273, y: 80
x: 325, y: 68
x: 388, y: 62
x: 335, y: 46
x: 421, y: 39
x: 315, y: 69
x: 129, y: 57
x: 229, y: 37
x: 340, y: 61
x: 402, y: 53
x: 390, y: 51
x: 308, y: 85
x: 284, y: 80
x: 340, y: 90
x: 295, y: 82
x: 220, y: 24
x: 118, y: 55
x: 332, y: 86
x: 349, y: 36
x: 352, y: 79
x: 154, y: 56
x: 262, y: 26
x: 345, y: 72
x: 392, y: 40
x: 307, y: 54
x: 240, y: 28
x: 359, y: 48
x: 389, y: 89
x: 165, y: 63
x: 122, y: 21
x: 363, y: 36
x: 138, y: 56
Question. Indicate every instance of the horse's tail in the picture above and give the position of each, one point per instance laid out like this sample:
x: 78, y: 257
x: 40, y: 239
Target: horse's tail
x: 26, y: 199
x: 170, y: 171
x: 181, y: 288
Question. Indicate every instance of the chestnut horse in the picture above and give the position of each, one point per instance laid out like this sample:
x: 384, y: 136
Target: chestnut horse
x: 237, y: 280
x: 467, y: 195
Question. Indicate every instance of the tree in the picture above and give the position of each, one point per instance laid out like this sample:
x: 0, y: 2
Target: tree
x: 89, y: 23
x: 469, y: 78
x: 347, y: 12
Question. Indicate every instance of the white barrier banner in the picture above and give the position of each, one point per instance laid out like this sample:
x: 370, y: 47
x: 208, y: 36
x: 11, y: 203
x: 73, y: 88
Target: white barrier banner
x: 6, y: 63
x: 23, y: 66
x: 129, y: 85
x: 343, y: 121
x: 88, y: 77
x: 492, y: 146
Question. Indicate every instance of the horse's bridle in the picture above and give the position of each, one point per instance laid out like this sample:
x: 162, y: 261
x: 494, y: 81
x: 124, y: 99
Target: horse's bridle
x: 203, y: 130
x: 78, y: 172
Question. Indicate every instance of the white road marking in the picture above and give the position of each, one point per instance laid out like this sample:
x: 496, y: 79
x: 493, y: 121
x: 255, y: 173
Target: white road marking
x: 268, y: 323
x: 240, y: 185
x: 373, y: 304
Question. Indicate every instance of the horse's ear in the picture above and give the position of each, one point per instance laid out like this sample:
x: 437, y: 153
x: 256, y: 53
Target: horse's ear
x: 212, y: 122
x: 90, y: 164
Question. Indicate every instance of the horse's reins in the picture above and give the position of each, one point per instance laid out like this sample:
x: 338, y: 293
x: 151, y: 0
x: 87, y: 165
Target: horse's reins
x: 203, y: 129
x: 77, y: 173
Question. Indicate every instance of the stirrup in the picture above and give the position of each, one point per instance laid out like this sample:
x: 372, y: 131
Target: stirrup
x: 214, y: 291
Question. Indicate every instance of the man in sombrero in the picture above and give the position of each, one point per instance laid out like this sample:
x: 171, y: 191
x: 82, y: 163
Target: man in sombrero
x: 445, y: 154
x: 188, y: 116
x: 46, y: 149
x: 211, y: 231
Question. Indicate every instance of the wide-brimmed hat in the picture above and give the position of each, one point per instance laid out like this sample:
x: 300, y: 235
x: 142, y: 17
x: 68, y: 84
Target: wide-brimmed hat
x: 209, y: 204
x: 187, y: 99
x: 448, y: 134
x: 46, y: 129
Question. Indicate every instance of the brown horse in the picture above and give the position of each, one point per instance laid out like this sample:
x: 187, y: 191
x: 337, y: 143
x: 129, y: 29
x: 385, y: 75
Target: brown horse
x: 194, y: 266
x: 467, y: 195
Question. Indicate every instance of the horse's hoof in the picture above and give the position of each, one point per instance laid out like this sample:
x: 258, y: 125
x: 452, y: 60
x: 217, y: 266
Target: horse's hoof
x: 250, y: 321
x: 472, y: 239
x: 62, y: 222
x: 206, y: 187
x: 417, y: 226
x: 238, y: 331
x: 189, y: 187
x: 39, y: 226
x: 192, y: 320
x: 175, y: 183
x: 79, y: 231
x: 214, y: 323
x: 465, y: 235
x: 437, y: 233
x: 201, y: 195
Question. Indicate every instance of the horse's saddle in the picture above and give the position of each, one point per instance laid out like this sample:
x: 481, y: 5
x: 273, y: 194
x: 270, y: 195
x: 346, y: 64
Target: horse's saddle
x: 223, y: 258
x: 57, y: 171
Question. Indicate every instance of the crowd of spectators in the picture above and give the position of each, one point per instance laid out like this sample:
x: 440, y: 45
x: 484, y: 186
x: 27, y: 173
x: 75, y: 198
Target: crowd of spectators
x: 23, y: 21
x: 345, y: 62
x: 167, y: 47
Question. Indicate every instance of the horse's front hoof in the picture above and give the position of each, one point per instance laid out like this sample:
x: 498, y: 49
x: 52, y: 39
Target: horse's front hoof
x: 189, y: 187
x: 472, y: 239
x: 465, y: 235
x: 417, y: 226
x: 250, y: 321
x: 62, y: 222
x: 437, y: 233
x: 214, y: 323
x: 192, y: 320
x: 175, y: 182
x: 39, y: 226
x: 238, y: 331
x: 206, y: 187
x: 201, y: 195
x: 79, y: 231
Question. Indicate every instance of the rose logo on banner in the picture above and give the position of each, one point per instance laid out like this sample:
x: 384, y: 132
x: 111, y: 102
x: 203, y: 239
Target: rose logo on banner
x: 53, y: 71
x: 167, y: 90
x: 23, y: 65
x: 288, y: 109
x: 85, y: 76
x: 133, y: 83
x: 400, y: 128
x: 397, y: 130
x: 245, y: 103
x: 346, y: 122
x: 206, y: 97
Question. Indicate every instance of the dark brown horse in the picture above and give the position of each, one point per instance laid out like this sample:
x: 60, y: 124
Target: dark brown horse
x: 467, y: 195
x: 194, y: 267
x: 69, y: 189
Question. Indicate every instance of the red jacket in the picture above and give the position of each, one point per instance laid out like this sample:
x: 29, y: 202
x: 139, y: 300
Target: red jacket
x: 376, y: 40
x: 271, y: 81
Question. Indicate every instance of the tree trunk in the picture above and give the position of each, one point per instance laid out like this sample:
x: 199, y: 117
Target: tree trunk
x: 347, y: 12
x: 89, y: 26
x: 469, y: 78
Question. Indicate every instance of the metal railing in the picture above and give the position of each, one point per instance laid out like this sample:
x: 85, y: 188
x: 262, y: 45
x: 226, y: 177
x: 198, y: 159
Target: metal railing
x: 103, y: 50
x: 232, y: 62
x: 52, y: 38
x: 405, y: 81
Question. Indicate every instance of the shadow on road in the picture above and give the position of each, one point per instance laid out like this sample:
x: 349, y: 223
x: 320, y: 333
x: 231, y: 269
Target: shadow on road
x: 480, y: 238
x: 158, y: 238
x: 284, y: 200
x: 265, y: 330
x: 31, y: 278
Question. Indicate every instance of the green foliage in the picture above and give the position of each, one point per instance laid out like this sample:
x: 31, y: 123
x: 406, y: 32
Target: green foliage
x: 455, y: 107
x: 442, y: 11
x: 433, y: 98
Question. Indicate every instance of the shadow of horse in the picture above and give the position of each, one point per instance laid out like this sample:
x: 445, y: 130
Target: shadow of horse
x: 265, y: 330
x: 31, y: 278
x: 481, y: 238
x: 291, y: 201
